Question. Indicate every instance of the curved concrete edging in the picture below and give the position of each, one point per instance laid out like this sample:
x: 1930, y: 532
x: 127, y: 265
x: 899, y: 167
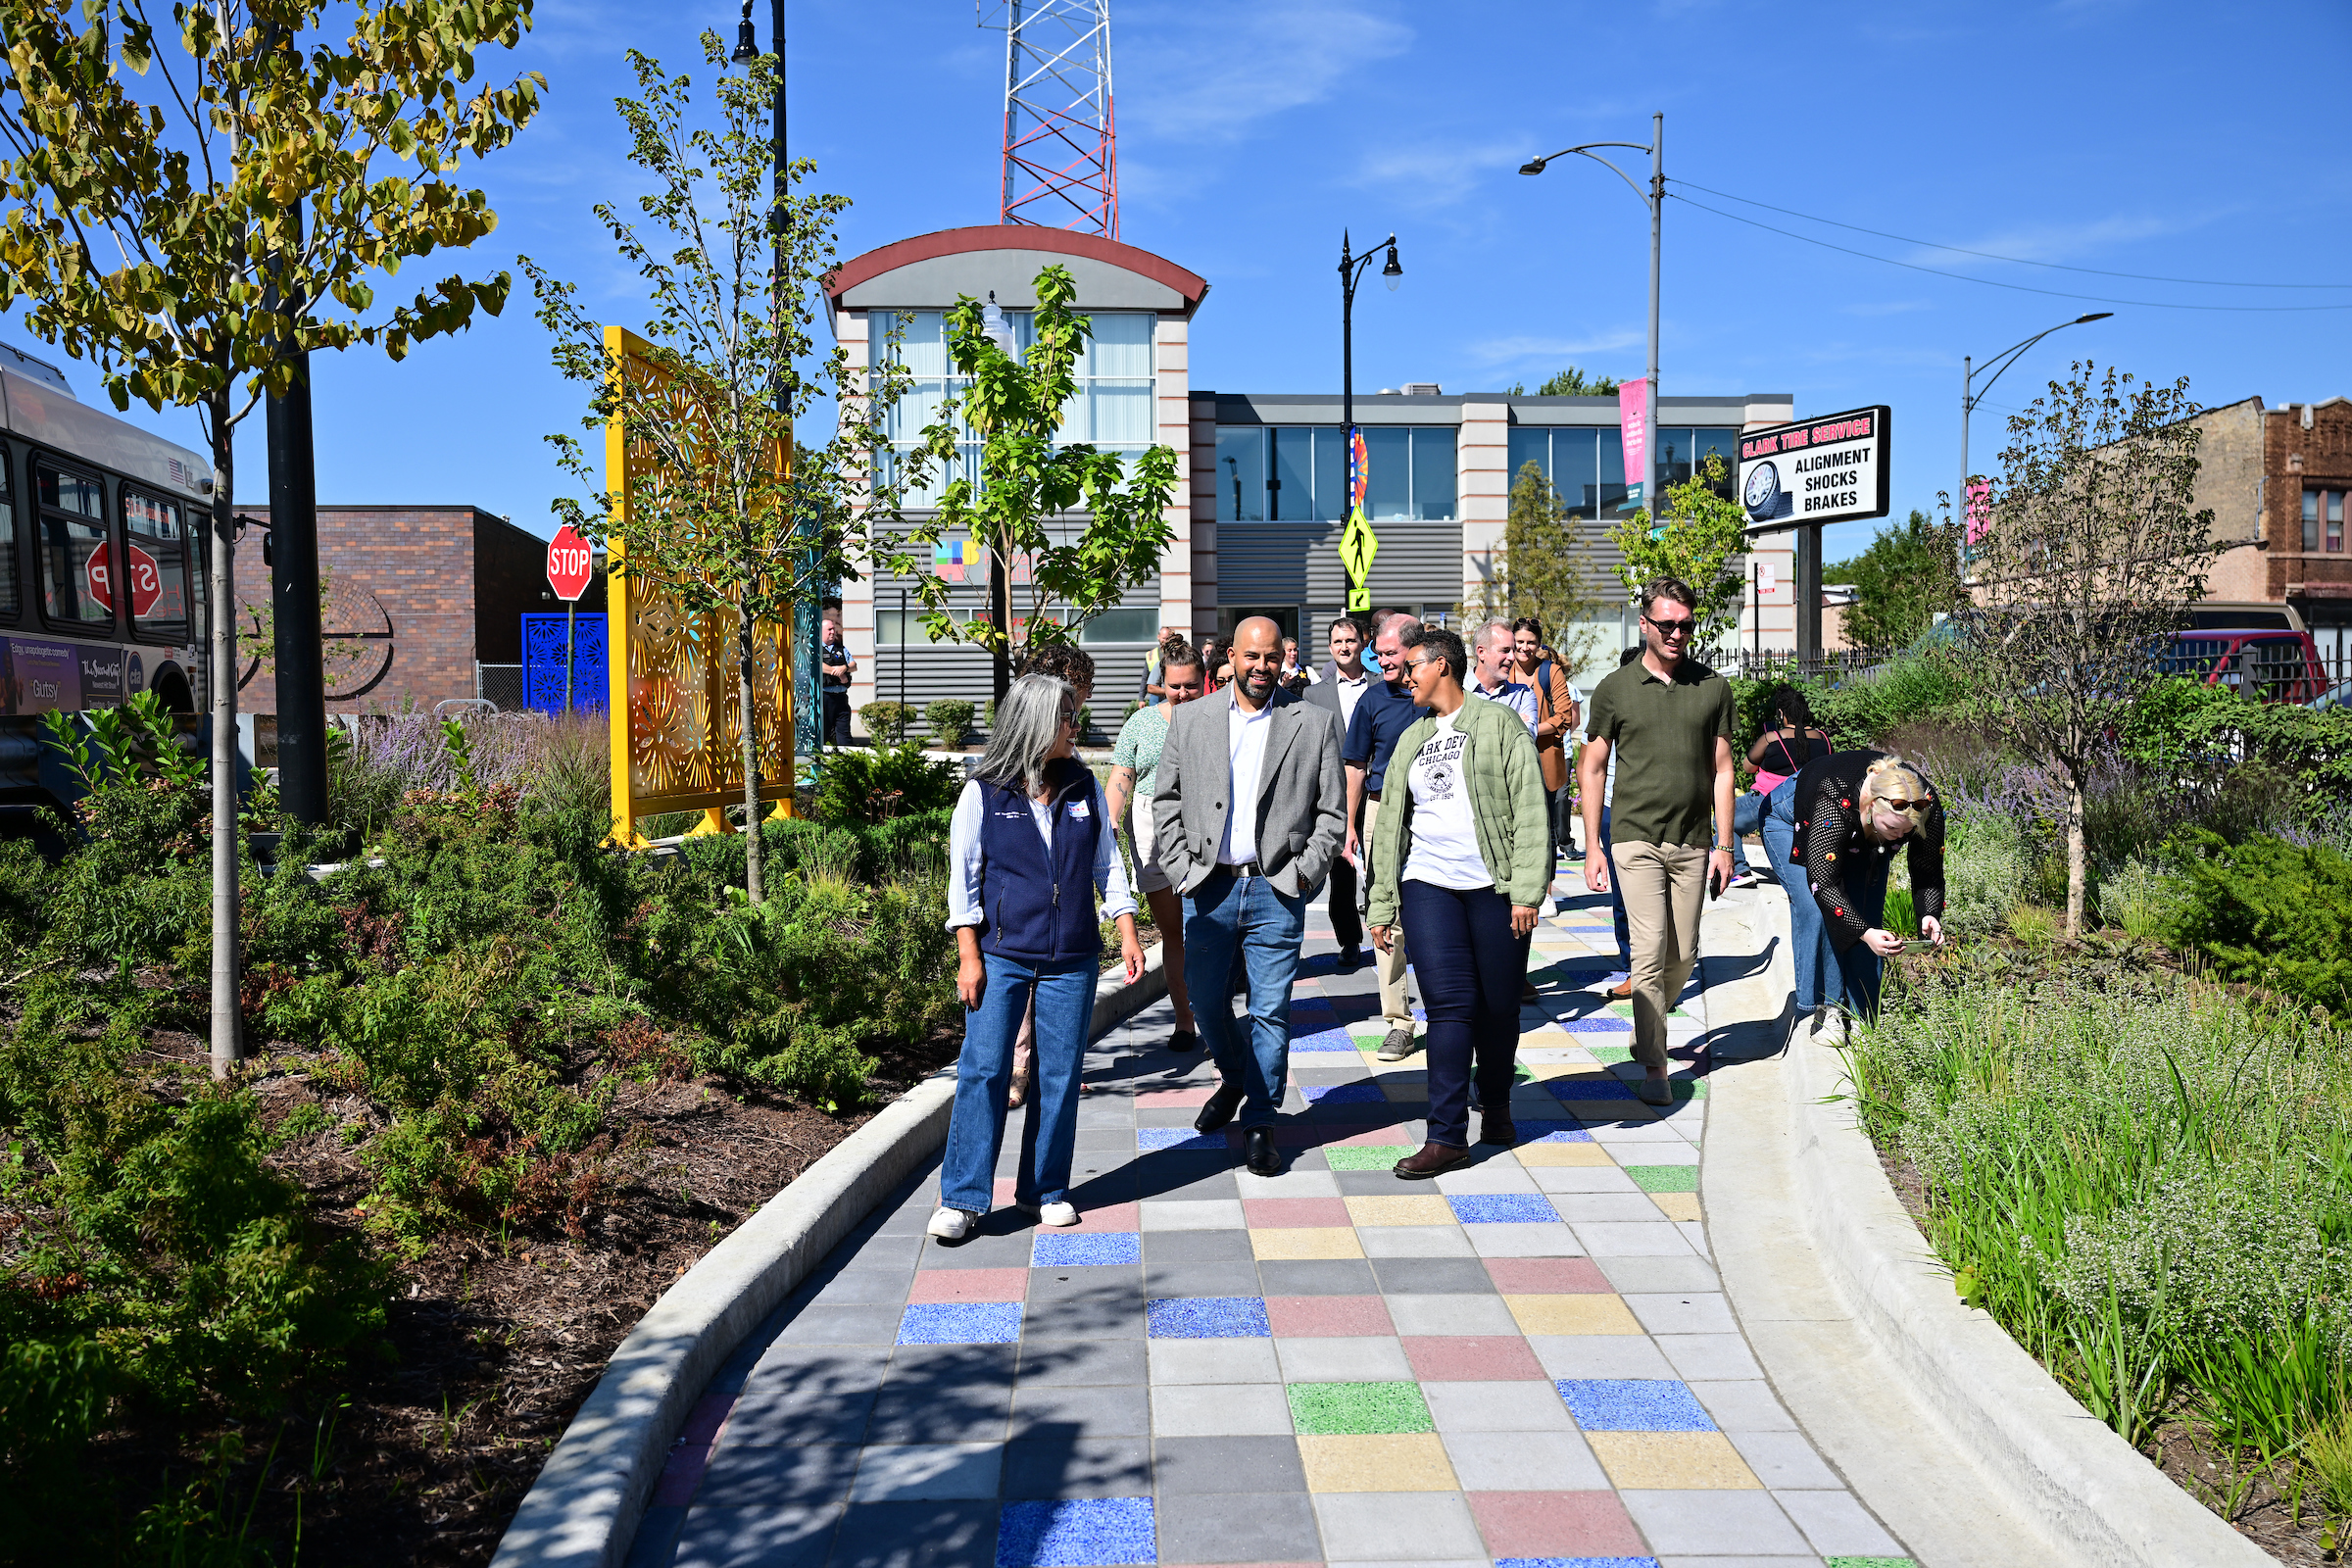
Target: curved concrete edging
x: 584, y: 1509
x: 2031, y: 1462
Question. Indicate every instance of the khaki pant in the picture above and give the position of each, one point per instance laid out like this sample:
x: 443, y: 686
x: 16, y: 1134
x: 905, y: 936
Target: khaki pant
x: 1665, y: 889
x: 1396, y: 1007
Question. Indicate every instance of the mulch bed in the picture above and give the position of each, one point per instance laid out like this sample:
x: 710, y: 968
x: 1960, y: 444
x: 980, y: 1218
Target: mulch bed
x: 496, y: 1342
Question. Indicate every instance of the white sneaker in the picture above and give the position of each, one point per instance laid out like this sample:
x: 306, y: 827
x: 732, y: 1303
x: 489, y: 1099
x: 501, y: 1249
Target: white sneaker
x: 950, y: 1225
x: 1058, y: 1214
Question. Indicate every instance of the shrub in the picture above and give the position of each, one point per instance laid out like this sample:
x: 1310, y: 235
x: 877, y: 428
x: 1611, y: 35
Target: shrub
x: 886, y: 782
x: 2273, y: 913
x: 951, y: 721
x: 886, y: 723
x: 2142, y: 898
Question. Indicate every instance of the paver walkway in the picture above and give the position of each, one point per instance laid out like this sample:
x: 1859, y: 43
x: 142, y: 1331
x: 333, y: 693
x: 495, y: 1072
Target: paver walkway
x: 1528, y: 1362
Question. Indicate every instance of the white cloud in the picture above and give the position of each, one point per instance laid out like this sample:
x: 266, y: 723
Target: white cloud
x: 1437, y: 174
x: 2059, y: 242
x: 1509, y: 350
x: 1210, y: 72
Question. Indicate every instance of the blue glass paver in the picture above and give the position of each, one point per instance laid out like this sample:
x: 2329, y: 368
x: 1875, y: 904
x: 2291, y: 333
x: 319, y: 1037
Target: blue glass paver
x: 1208, y: 1317
x: 1597, y: 1024
x: 1576, y: 1562
x: 1503, y: 1208
x: 1553, y: 1132
x: 1080, y: 1532
x: 1634, y: 1404
x: 960, y: 1323
x: 1151, y: 1139
x: 1356, y: 1094
x: 1333, y: 1038
x: 1589, y: 1089
x: 1053, y: 1251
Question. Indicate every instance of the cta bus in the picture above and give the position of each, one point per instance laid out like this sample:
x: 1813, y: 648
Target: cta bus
x: 101, y: 563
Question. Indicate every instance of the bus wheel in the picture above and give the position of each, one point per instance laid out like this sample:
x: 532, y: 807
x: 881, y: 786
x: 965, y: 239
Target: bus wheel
x: 172, y: 690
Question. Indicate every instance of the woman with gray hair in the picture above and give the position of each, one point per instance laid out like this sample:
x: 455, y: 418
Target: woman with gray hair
x: 1852, y: 809
x: 1029, y: 847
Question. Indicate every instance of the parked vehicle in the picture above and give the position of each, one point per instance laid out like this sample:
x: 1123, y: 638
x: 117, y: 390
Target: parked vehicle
x: 2266, y: 666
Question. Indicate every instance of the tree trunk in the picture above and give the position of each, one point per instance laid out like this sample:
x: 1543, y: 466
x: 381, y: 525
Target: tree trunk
x: 227, y: 1035
x: 2077, y: 857
x: 755, y: 864
x: 999, y: 610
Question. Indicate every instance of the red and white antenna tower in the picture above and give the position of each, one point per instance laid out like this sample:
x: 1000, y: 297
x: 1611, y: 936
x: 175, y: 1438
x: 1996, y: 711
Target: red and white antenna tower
x: 1060, y: 155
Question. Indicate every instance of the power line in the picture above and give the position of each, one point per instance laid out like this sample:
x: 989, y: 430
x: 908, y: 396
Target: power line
x: 1990, y: 256
x: 1992, y: 282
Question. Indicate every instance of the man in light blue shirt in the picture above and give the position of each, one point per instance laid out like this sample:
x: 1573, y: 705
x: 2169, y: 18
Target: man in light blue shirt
x: 1493, y: 652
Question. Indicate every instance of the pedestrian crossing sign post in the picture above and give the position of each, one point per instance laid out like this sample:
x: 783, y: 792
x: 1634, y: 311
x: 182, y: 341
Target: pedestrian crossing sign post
x: 1358, y: 544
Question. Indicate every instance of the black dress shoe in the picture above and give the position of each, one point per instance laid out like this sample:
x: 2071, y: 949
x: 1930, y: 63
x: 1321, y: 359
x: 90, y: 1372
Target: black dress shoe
x: 1350, y: 959
x: 1185, y: 1040
x: 1259, y: 1152
x: 1495, y: 1127
x: 1219, y: 1110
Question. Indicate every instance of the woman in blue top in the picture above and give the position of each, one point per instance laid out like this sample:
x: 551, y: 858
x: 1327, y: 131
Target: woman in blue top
x: 1029, y: 846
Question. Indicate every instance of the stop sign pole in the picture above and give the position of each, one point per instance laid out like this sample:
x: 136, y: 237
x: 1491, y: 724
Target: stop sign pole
x: 569, y: 559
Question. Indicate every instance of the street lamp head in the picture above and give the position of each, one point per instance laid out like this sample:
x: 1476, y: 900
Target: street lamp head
x: 1393, y: 272
x: 747, y: 43
x: 1534, y: 166
x: 2095, y: 316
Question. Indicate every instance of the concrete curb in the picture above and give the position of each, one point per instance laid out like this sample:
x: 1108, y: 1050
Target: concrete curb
x: 2061, y: 1472
x: 584, y: 1509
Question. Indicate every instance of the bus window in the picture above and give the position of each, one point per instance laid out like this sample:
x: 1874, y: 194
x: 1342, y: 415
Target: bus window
x: 8, y: 539
x: 159, y: 570
x: 77, y: 585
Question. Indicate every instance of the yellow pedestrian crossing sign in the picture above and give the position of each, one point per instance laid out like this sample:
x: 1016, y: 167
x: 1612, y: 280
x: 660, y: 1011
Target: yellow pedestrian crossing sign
x: 1358, y: 544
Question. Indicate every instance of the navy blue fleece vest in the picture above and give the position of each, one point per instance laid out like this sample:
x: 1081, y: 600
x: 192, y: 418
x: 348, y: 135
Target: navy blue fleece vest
x: 1040, y: 907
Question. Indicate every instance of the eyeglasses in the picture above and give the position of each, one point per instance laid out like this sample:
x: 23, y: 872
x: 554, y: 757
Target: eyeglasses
x: 1671, y: 629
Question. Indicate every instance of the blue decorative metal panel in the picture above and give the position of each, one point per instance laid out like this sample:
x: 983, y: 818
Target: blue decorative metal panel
x: 543, y: 663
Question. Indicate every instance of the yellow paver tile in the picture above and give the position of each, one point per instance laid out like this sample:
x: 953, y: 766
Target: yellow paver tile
x: 1678, y: 1206
x: 1391, y: 1461
x: 1429, y: 1211
x: 1572, y: 1314
x: 1313, y: 1241
x: 1670, y: 1461
x: 1562, y: 1155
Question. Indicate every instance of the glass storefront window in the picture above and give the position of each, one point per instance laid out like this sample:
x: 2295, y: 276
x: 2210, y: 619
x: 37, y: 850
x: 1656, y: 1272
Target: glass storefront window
x: 1121, y: 627
x: 1433, y: 472
x: 1611, y: 487
x: 1389, y: 475
x: 1530, y: 443
x: 76, y: 581
x: 1411, y: 473
x: 157, y: 570
x: 1241, y: 473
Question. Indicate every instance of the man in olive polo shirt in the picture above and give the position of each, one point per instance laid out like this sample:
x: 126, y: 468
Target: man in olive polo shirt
x: 1668, y: 717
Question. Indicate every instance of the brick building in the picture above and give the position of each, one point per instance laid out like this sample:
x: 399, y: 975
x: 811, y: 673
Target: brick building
x: 417, y: 596
x: 2278, y: 481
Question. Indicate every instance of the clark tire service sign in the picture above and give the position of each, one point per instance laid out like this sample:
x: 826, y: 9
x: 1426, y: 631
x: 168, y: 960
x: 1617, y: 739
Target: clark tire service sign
x: 1830, y: 469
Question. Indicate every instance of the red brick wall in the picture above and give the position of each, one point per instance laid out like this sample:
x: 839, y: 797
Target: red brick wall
x: 2295, y: 460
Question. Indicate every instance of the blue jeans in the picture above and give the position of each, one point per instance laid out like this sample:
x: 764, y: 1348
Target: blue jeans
x: 1470, y: 966
x: 1229, y: 916
x: 1625, y: 933
x: 1066, y: 1005
x: 1860, y: 968
x: 1808, y: 935
x: 1748, y: 815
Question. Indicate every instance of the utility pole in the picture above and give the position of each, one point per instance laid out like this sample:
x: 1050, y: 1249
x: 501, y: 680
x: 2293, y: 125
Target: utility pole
x: 299, y: 653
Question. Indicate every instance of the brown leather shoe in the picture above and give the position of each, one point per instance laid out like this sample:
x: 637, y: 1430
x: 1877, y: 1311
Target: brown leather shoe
x: 1495, y: 1127
x: 1622, y: 990
x: 1433, y: 1159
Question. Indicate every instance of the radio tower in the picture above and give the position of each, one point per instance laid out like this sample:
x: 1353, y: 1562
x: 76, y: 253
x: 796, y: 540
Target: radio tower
x: 1061, y: 157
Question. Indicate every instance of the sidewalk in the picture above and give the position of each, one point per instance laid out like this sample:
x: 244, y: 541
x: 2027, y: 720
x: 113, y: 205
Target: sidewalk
x: 1526, y: 1362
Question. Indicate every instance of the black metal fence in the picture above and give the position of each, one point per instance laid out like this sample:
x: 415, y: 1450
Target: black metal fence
x: 2272, y: 670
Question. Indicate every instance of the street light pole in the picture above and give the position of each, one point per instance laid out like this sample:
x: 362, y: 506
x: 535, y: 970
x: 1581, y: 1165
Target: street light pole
x: 1356, y: 543
x: 1970, y: 396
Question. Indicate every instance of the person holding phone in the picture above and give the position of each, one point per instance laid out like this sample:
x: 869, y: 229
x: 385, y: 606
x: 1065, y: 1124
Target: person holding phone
x: 1852, y: 809
x: 1668, y: 721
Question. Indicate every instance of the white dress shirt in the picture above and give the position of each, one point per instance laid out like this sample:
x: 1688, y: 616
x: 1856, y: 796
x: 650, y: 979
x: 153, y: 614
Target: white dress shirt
x: 1246, y: 742
x: 1352, y: 688
x: 964, y: 859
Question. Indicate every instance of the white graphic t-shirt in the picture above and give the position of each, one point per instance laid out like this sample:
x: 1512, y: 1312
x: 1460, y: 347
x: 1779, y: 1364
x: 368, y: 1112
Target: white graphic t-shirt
x: 1445, y: 851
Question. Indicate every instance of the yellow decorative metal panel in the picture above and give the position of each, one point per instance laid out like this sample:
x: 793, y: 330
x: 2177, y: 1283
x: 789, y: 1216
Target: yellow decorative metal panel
x: 677, y: 731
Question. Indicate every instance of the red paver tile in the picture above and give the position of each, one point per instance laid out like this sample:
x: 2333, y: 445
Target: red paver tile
x: 1555, y: 1524
x: 1172, y: 1099
x: 681, y: 1475
x: 1289, y: 1213
x: 1109, y: 1217
x: 1376, y: 1138
x: 1472, y: 1358
x: 1325, y: 1317
x: 999, y: 1192
x: 970, y: 1285
x: 703, y: 1422
x: 1548, y: 1276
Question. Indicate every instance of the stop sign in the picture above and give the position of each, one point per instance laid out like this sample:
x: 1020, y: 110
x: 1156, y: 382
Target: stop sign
x: 568, y: 560
x: 146, y: 581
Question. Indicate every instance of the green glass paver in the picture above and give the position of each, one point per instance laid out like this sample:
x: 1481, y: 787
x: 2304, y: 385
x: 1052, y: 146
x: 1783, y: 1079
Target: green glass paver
x: 1869, y: 1562
x: 1364, y: 1157
x: 1664, y: 1178
x: 1353, y: 1409
x: 1612, y: 1052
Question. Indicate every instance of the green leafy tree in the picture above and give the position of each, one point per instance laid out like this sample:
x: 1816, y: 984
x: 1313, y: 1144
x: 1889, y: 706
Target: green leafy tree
x: 189, y: 208
x: 1026, y: 480
x: 1909, y: 574
x: 1699, y: 541
x: 1570, y: 383
x: 715, y: 518
x: 1541, y: 570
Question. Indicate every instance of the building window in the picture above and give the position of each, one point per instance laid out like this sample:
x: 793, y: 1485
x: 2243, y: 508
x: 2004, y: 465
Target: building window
x: 77, y: 582
x: 2324, y: 520
x: 1585, y: 463
x: 1299, y: 473
x: 2311, y: 519
x: 2335, y: 520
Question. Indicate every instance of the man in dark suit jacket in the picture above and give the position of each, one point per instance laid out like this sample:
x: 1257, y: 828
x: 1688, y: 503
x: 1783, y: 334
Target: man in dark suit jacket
x: 1336, y: 689
x: 1247, y: 869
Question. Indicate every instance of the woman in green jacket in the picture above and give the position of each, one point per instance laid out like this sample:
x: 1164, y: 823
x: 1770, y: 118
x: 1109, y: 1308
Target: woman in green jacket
x: 1460, y: 856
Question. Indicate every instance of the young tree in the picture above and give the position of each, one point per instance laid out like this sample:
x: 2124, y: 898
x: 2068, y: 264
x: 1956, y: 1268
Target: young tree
x: 1540, y: 572
x: 1698, y: 541
x: 191, y: 237
x: 715, y: 520
x: 1025, y: 480
x: 1909, y: 574
x: 2090, y: 563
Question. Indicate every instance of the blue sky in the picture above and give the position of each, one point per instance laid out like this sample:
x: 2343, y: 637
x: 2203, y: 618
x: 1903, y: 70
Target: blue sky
x: 2145, y: 138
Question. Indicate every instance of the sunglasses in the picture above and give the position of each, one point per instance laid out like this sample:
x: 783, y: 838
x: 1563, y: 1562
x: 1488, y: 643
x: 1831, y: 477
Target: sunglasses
x: 1671, y: 629
x: 1906, y: 806
x: 1068, y: 717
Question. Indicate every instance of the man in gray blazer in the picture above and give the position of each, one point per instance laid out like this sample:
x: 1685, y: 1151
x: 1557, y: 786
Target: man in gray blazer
x: 1249, y: 805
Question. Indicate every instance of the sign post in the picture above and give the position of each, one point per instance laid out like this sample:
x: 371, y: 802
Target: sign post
x: 570, y: 568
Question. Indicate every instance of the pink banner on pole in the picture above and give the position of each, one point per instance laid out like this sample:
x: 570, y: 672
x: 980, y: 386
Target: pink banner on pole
x: 1979, y: 510
x: 1632, y: 408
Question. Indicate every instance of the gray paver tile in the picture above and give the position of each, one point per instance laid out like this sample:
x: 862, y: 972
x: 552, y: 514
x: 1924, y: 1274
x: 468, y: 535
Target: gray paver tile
x: 1599, y: 1356
x: 1451, y: 1314
x: 1317, y: 1277
x: 1093, y: 1315
x: 1583, y: 1179
x: 873, y: 1324
x: 1290, y: 1184
x: 1838, y: 1524
x: 1631, y: 1206
x: 817, y: 1371
x: 1679, y: 1560
x: 1702, y: 1522
x: 925, y: 1472
x: 1743, y: 1404
x: 1228, y: 1464
x: 1784, y: 1460
x: 1237, y: 1278
x: 1175, y: 1361
x: 1389, y: 1526
x: 1612, y: 1239
x: 1078, y: 1467
x: 1070, y: 1363
x: 1116, y: 1411
x: 765, y: 1537
x: 1709, y: 1355
x: 1684, y: 1273
x: 1197, y: 1246
x: 1518, y: 1407
x: 917, y: 1534
x: 1682, y: 1313
x: 1524, y: 1462
x: 807, y: 1476
x: 1432, y: 1276
x: 1213, y: 1409
x: 1342, y: 1360
x: 1229, y: 1526
x: 1489, y: 1176
x: 857, y: 1287
x: 1192, y: 1214
x: 892, y: 1251
x: 1415, y: 1241
x: 1526, y: 1240
x: 768, y: 1419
